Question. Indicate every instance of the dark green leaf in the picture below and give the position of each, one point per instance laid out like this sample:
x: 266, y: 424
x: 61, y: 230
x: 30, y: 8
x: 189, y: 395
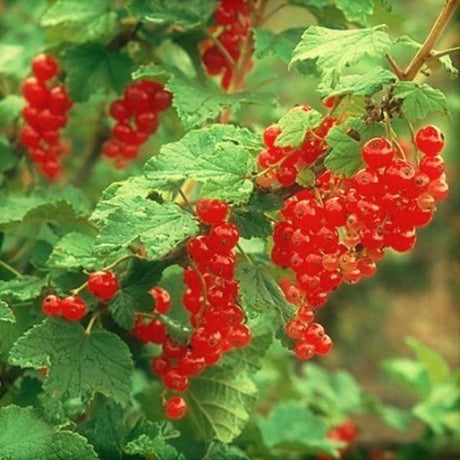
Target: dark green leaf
x: 22, y: 288
x: 90, y: 66
x: 24, y: 435
x: 189, y: 15
x: 79, y: 364
x: 6, y: 314
x: 10, y: 109
x: 73, y: 250
x: 7, y: 156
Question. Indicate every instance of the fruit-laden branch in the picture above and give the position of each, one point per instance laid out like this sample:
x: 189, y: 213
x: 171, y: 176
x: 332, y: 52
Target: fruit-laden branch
x: 425, y: 52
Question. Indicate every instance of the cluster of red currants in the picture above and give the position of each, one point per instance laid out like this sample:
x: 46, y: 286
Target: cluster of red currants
x: 231, y: 30
x: 346, y: 432
x: 45, y: 114
x: 101, y: 284
x: 210, y: 299
x: 336, y: 232
x: 282, y: 164
x: 136, y: 118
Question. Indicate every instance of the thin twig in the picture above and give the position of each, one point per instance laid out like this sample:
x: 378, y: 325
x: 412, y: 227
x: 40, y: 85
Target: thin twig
x: 10, y: 269
x: 397, y: 70
x: 93, y: 319
x: 424, y: 53
x: 438, y: 54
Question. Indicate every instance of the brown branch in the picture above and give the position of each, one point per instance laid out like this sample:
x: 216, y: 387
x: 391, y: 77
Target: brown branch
x: 424, y: 53
x: 397, y: 70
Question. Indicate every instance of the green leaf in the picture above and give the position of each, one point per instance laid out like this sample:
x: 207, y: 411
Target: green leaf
x: 420, y: 100
x: 107, y: 429
x: 356, y: 10
x: 440, y: 410
x: 435, y: 365
x: 80, y: 20
x: 90, y: 66
x: 56, y: 205
x: 362, y: 84
x: 221, y: 451
x: 189, y: 15
x: 259, y: 293
x: 269, y: 43
x: 220, y: 402
x: 10, y: 109
x: 397, y: 418
x: 295, y: 427
x: 198, y: 102
x: 79, y: 364
x: 22, y: 288
x: 217, y: 157
x: 295, y: 124
x: 151, y: 440
x: 7, y: 156
x: 25, y: 435
x: 134, y: 295
x: 346, y: 141
x: 73, y: 250
x: 336, y: 50
x: 411, y: 373
x: 6, y: 314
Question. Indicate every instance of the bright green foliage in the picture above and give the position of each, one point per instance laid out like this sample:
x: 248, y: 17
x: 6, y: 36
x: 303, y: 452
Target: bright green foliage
x: 10, y: 108
x: 217, y: 157
x: 80, y: 20
x: 292, y: 426
x: 420, y: 100
x: 73, y: 250
x: 91, y: 65
x: 336, y: 50
x: 6, y: 314
x: 24, y: 434
x: 189, y: 15
x: 104, y: 363
x: 362, y: 85
x: 294, y: 125
x: 345, y: 156
x: 220, y: 402
x: 197, y: 102
x: 23, y: 288
x: 269, y: 43
x: 356, y: 10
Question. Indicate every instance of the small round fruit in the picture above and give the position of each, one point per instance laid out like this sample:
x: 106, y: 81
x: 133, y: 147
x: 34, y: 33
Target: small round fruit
x: 44, y: 67
x: 52, y: 305
x: 176, y: 408
x: 162, y: 299
x: 103, y: 285
x: 377, y: 152
x: 429, y: 140
x: 73, y: 308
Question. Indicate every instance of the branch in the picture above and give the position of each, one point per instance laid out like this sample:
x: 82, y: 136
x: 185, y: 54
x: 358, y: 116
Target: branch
x: 397, y: 70
x: 424, y: 53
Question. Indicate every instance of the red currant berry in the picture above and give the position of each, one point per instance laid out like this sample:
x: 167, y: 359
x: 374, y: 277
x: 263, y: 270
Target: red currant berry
x: 211, y: 212
x: 378, y: 152
x: 44, y: 67
x: 52, y: 305
x: 162, y: 299
x: 304, y: 350
x: 103, y: 285
x: 73, y: 308
x: 176, y: 408
x: 429, y: 140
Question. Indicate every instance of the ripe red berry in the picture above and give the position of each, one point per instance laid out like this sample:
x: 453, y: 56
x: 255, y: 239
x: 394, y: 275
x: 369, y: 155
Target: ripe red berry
x: 173, y: 380
x: 52, y: 305
x: 378, y: 152
x: 103, y: 285
x: 162, y: 299
x: 176, y: 408
x: 44, y: 67
x: 35, y: 92
x: 73, y: 308
x: 211, y: 211
x: 270, y: 135
x: 304, y: 350
x: 429, y: 140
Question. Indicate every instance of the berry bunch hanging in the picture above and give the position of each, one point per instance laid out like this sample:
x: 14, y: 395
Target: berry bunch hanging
x: 103, y: 285
x: 281, y: 165
x: 136, y: 119
x: 232, y: 29
x: 345, y: 432
x: 45, y: 115
x: 338, y: 231
x: 210, y: 299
